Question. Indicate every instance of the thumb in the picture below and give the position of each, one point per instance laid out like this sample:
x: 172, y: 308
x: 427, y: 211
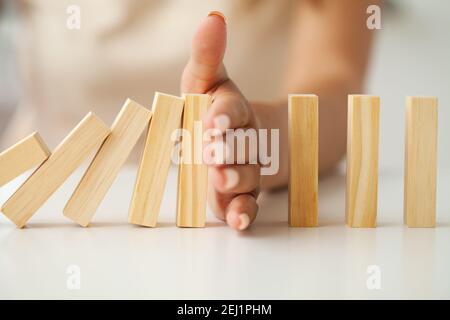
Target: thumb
x: 205, y: 68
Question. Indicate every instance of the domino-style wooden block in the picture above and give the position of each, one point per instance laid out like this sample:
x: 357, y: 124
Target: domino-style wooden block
x: 155, y: 161
x: 420, y: 161
x: 84, y: 138
x: 362, y: 161
x: 303, y: 160
x: 21, y: 157
x: 125, y: 132
x: 192, y: 177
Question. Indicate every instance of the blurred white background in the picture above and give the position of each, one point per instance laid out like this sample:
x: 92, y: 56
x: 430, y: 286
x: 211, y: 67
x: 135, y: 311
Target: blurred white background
x: 8, y: 75
x: 411, y: 57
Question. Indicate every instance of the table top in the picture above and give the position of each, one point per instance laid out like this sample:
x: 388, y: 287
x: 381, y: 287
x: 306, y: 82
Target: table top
x: 112, y: 259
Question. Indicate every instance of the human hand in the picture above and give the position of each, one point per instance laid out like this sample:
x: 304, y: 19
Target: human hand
x: 233, y: 188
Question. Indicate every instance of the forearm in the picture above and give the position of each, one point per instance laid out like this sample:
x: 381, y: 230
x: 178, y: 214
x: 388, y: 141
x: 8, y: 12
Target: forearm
x: 332, y: 125
x: 328, y: 57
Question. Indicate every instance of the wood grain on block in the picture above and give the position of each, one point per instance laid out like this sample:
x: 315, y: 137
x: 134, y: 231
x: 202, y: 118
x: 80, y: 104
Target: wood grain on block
x: 156, y: 160
x: 21, y: 157
x: 84, y: 139
x: 420, y: 161
x: 303, y: 160
x: 193, y: 176
x: 362, y: 161
x: 100, y: 175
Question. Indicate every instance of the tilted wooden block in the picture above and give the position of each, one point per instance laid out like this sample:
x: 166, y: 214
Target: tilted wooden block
x: 125, y: 132
x: 155, y: 161
x: 420, y: 161
x: 70, y: 153
x: 303, y: 160
x: 362, y: 161
x: 24, y: 155
x: 192, y: 177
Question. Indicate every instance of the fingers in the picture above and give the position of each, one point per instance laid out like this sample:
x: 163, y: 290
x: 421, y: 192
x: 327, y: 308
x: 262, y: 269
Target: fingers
x: 235, y: 190
x: 241, y: 211
x: 205, y: 68
x: 237, y: 147
x: 229, y: 109
x: 236, y: 179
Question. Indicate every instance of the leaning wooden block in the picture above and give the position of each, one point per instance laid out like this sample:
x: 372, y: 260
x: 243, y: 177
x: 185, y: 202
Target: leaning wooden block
x: 24, y: 155
x: 362, y: 161
x: 420, y: 161
x: 155, y: 161
x: 71, y: 152
x: 303, y: 160
x: 125, y: 132
x: 192, y: 173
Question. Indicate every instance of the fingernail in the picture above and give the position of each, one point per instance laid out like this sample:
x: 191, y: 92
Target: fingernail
x: 245, y: 221
x: 222, y: 122
x: 231, y: 178
x: 219, y: 14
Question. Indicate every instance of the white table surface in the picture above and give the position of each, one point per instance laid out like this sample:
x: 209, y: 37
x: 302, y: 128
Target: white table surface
x: 269, y: 261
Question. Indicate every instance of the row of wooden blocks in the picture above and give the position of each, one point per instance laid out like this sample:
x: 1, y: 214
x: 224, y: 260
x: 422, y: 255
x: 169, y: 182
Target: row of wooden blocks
x: 113, y: 147
x: 114, y: 144
x: 362, y: 161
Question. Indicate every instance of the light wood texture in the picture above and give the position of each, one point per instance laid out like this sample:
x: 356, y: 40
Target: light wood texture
x: 303, y: 160
x: 125, y: 132
x: 84, y: 138
x: 192, y: 177
x: 24, y: 155
x: 420, y: 161
x: 362, y: 161
x: 155, y: 161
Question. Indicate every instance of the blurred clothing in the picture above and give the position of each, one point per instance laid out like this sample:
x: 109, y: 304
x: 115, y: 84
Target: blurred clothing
x: 131, y: 48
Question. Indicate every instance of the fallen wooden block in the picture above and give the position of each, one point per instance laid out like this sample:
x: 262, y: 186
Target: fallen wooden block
x: 362, y: 161
x: 420, y: 161
x: 70, y: 153
x: 303, y: 160
x: 192, y: 176
x: 125, y: 132
x: 155, y: 161
x: 21, y: 157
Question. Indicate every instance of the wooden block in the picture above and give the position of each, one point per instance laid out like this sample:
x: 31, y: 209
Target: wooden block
x: 155, y: 161
x: 362, y: 161
x: 420, y: 161
x: 303, y: 160
x: 192, y: 177
x: 125, y: 132
x: 70, y: 153
x: 24, y: 155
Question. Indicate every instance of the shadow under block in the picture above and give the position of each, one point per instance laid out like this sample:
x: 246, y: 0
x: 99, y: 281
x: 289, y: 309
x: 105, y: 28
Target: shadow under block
x: 101, y: 173
x: 192, y: 176
x: 84, y: 138
x: 420, y: 162
x: 24, y: 155
x: 303, y: 160
x: 156, y: 160
x: 362, y: 161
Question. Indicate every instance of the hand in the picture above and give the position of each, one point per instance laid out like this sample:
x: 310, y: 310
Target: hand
x: 233, y: 188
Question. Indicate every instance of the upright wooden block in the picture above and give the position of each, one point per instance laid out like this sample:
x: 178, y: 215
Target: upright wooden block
x: 155, y: 161
x: 125, y: 132
x: 24, y: 155
x: 420, y: 161
x: 192, y: 177
x: 70, y: 153
x: 303, y: 160
x: 362, y: 161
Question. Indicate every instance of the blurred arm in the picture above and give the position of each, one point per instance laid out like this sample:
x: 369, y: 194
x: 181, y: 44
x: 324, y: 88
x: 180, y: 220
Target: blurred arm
x: 329, y: 53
